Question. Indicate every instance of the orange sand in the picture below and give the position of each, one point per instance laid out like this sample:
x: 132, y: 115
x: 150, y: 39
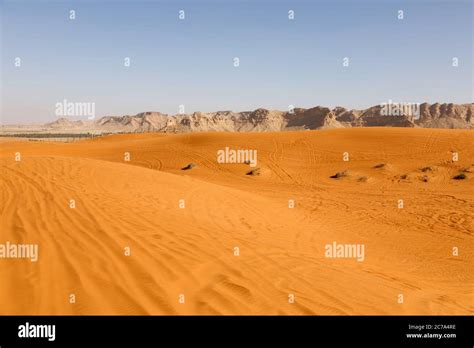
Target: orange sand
x: 190, y: 251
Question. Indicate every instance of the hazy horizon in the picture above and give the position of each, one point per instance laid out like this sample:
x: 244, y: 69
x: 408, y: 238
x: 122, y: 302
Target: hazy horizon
x: 190, y: 61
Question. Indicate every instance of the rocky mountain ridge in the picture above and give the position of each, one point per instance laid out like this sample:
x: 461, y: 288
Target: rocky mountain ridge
x: 436, y: 115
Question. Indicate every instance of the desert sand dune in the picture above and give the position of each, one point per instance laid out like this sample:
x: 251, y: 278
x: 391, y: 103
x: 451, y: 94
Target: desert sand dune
x: 190, y: 251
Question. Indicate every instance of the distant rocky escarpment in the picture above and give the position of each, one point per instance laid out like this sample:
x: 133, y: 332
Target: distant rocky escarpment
x: 263, y: 120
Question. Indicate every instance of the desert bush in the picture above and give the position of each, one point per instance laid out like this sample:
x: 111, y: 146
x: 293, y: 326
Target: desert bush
x: 255, y: 171
x: 339, y: 175
x: 427, y: 169
x: 189, y: 166
x: 460, y: 176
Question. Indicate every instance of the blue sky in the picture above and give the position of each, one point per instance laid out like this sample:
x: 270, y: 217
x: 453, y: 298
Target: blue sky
x: 190, y: 62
